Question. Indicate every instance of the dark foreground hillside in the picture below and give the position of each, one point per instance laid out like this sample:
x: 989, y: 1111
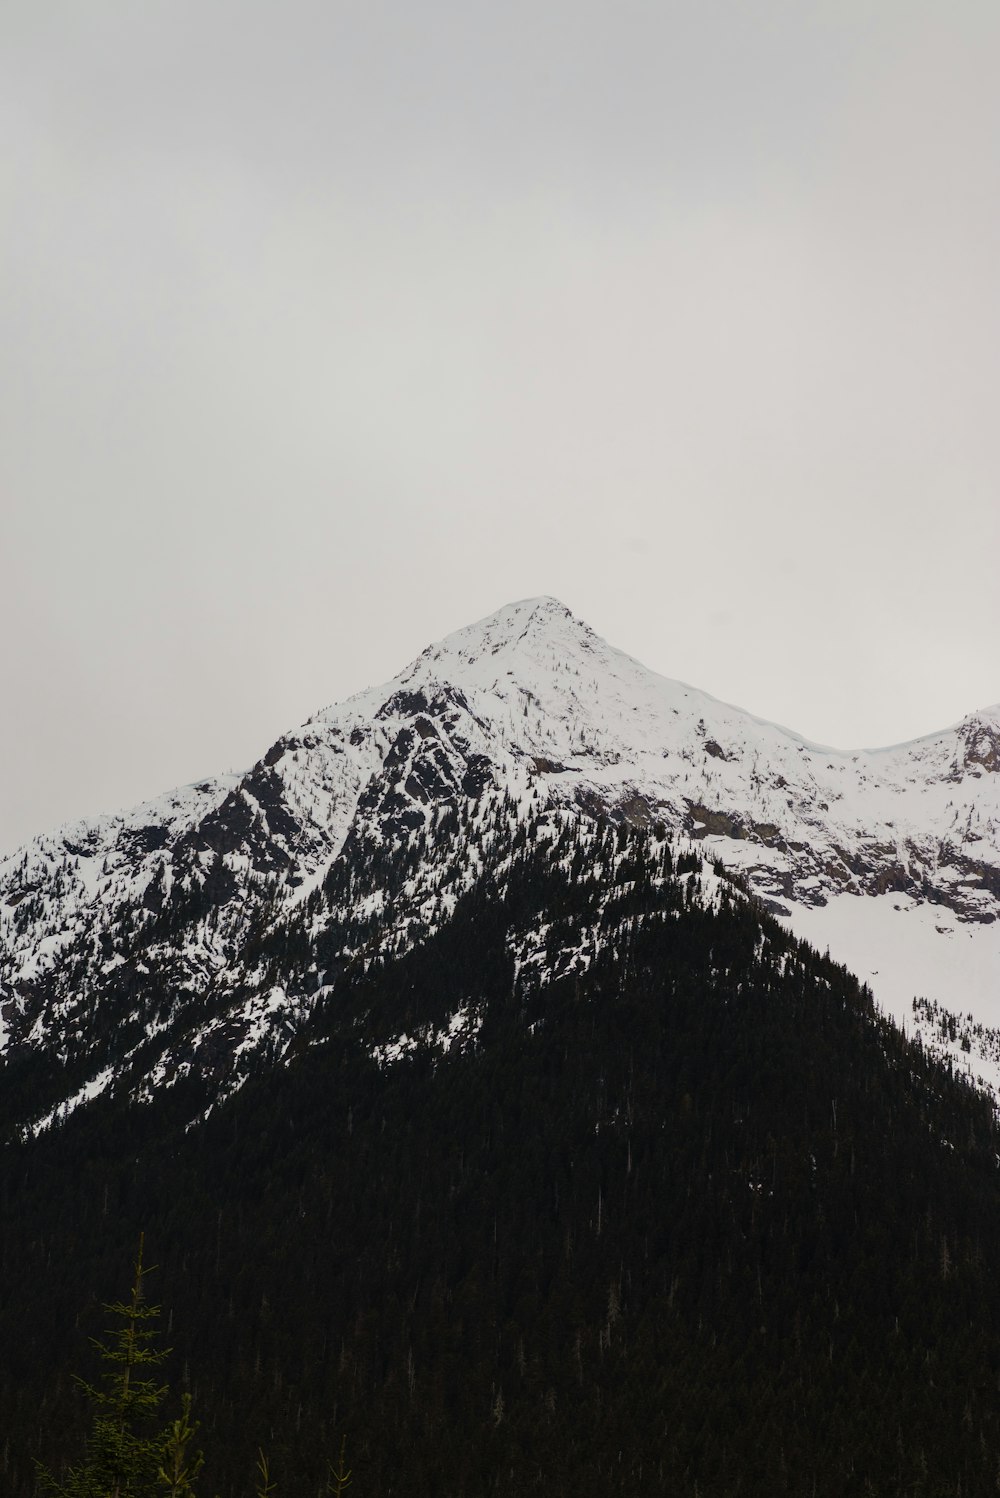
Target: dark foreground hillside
x: 692, y: 1220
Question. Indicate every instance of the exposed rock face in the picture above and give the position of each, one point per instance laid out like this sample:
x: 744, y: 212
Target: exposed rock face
x: 164, y: 907
x: 982, y: 745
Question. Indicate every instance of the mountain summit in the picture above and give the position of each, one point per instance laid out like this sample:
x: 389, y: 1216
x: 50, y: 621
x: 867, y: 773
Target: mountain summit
x: 889, y: 857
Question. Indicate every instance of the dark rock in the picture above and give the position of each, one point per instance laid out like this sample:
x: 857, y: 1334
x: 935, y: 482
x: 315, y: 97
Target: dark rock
x: 145, y: 839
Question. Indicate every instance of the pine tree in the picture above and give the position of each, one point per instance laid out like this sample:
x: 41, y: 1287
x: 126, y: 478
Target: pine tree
x: 180, y: 1465
x: 124, y: 1457
x: 340, y: 1478
x: 265, y: 1487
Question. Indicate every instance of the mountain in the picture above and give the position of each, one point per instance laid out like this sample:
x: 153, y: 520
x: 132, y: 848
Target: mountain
x: 606, y: 1181
x: 139, y: 949
x: 481, y: 1106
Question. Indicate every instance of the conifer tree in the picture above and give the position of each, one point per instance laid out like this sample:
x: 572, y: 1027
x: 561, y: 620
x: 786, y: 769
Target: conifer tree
x: 265, y: 1487
x: 340, y: 1476
x: 124, y: 1456
x: 180, y: 1465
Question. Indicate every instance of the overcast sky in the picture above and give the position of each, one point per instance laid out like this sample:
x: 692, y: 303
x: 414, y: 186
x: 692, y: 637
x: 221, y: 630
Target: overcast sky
x: 326, y: 328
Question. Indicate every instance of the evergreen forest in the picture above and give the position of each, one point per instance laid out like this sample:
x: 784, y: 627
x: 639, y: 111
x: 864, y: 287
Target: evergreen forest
x: 682, y: 1215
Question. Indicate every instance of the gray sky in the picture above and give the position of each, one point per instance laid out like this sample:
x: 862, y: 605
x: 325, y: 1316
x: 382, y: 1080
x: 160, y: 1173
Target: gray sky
x: 328, y: 327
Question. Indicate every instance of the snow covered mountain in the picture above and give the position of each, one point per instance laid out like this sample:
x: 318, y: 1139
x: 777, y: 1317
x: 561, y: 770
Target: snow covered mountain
x: 357, y: 832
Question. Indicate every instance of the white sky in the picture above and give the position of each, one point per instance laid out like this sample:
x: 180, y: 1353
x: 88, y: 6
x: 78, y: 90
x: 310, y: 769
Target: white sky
x: 327, y: 327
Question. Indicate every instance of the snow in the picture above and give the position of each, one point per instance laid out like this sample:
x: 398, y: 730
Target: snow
x: 84, y: 1094
x: 904, y: 949
x: 564, y: 720
x: 259, y: 1016
x: 458, y: 1030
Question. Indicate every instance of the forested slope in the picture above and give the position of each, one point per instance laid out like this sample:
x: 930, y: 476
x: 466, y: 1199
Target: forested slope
x: 668, y: 1209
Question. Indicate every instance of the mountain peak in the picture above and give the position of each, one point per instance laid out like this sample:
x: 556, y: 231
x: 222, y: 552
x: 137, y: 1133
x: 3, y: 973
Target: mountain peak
x: 525, y: 708
x: 513, y: 619
x: 536, y: 620
x: 543, y: 603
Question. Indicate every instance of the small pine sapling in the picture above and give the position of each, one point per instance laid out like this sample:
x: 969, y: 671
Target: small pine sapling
x: 180, y: 1465
x: 340, y: 1478
x: 265, y: 1487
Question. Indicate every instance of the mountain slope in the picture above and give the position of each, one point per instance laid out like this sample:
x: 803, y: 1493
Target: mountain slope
x: 605, y: 1183
x: 135, y: 948
x: 477, y: 1108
